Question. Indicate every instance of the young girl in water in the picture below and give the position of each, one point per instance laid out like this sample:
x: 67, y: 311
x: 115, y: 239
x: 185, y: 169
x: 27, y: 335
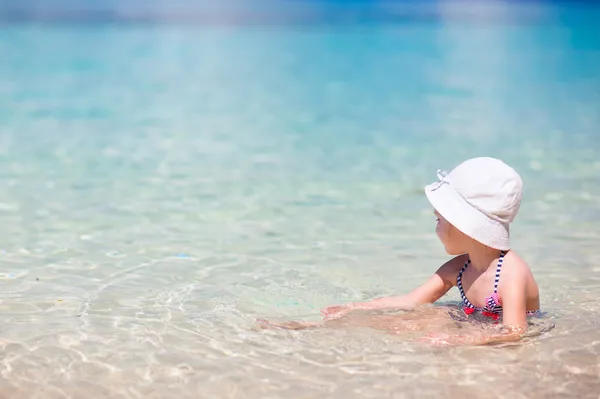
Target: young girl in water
x: 474, y: 205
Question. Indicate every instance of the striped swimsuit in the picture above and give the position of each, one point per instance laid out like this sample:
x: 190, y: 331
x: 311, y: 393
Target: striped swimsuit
x: 492, y: 308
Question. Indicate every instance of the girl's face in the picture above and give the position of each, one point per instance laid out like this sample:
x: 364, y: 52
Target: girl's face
x: 455, y: 241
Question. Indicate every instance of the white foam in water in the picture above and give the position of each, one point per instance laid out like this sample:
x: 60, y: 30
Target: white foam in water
x: 164, y: 187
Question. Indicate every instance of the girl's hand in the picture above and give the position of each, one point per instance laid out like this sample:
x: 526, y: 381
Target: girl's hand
x: 440, y: 339
x: 336, y: 311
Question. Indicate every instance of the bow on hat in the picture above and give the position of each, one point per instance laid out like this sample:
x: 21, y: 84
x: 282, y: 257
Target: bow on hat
x: 442, y: 176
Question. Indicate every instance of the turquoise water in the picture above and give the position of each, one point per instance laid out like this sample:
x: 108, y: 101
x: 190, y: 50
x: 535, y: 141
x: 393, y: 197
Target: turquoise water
x: 163, y: 187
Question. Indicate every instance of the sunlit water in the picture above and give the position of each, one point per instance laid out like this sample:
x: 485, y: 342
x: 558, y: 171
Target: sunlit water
x: 164, y: 187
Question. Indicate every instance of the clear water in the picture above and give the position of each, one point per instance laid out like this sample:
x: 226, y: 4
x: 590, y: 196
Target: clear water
x: 162, y: 187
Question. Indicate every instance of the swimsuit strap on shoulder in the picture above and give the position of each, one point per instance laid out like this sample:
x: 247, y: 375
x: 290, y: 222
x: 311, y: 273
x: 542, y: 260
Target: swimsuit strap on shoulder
x: 498, y: 269
x: 460, y: 287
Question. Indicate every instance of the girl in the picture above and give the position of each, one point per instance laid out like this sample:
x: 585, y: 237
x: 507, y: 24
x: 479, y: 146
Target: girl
x: 474, y: 205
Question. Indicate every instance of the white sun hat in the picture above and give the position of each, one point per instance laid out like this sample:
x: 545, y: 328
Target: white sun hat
x: 480, y: 197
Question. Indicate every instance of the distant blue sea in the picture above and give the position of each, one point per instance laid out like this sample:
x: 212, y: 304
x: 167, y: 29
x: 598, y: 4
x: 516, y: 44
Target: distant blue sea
x: 164, y: 184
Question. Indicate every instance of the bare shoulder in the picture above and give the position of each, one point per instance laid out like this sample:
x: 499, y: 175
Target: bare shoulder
x: 515, y: 270
x: 449, y: 270
x: 514, y: 266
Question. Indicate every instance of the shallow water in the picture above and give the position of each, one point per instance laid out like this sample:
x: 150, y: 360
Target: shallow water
x: 164, y: 187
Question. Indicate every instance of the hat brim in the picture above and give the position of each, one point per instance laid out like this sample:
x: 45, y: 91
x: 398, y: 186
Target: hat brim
x: 469, y: 220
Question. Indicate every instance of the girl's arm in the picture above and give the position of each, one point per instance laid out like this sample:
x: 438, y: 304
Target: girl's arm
x: 432, y: 290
